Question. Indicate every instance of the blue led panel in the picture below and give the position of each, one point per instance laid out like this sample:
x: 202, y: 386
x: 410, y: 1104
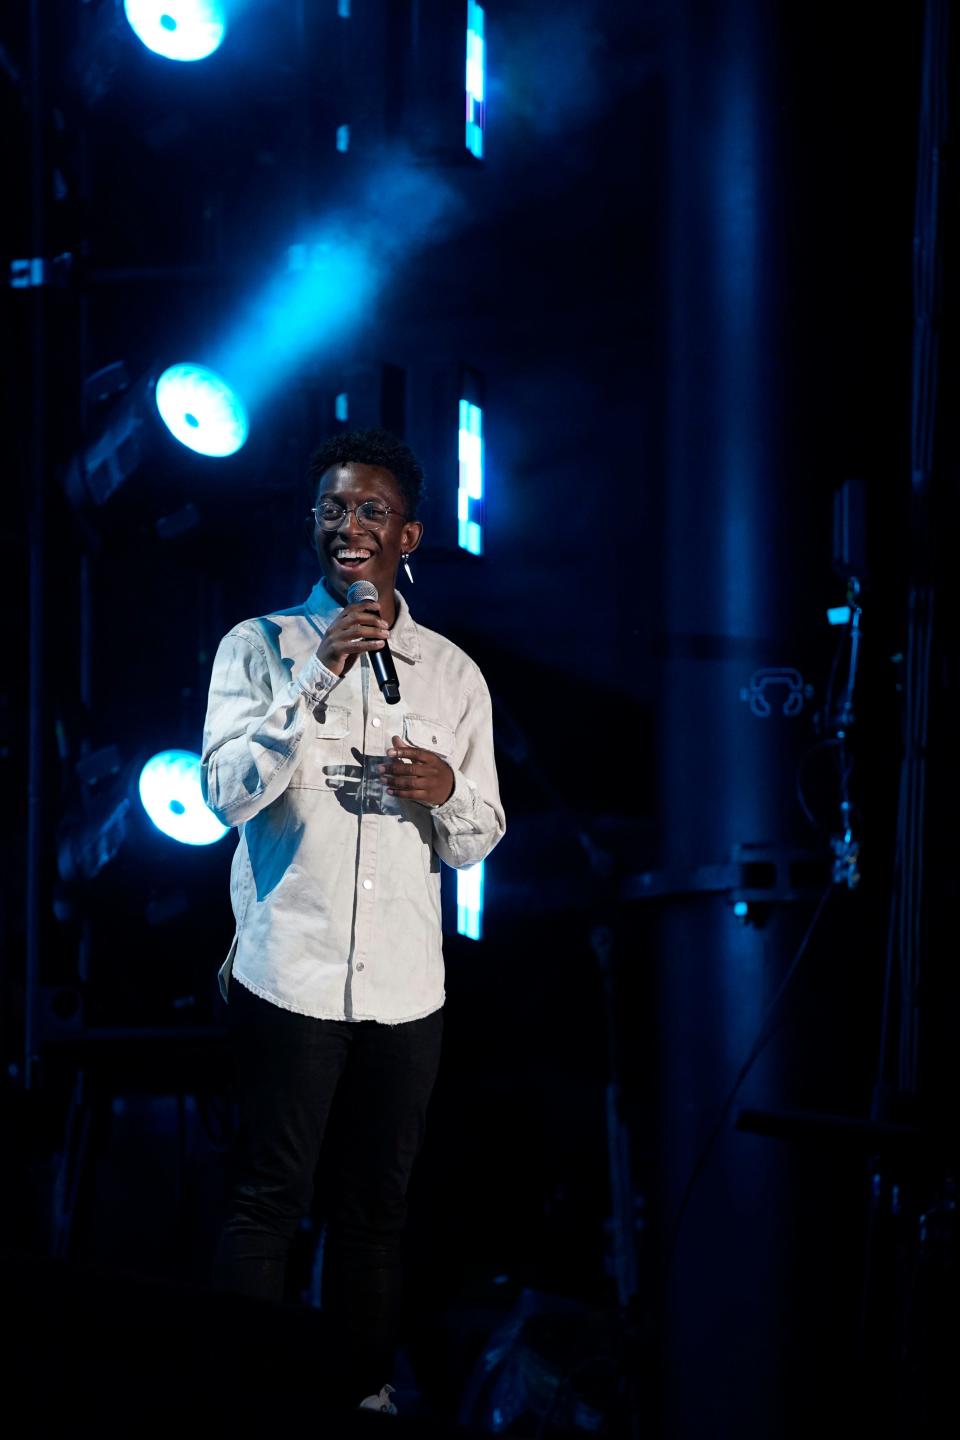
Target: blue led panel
x: 470, y: 492
x: 476, y: 78
x: 470, y: 902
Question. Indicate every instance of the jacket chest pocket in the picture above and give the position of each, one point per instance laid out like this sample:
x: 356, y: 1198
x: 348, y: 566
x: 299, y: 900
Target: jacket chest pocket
x: 429, y: 734
x: 325, y: 763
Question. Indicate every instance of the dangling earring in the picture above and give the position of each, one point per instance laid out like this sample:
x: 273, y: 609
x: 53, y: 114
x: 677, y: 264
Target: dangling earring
x: 405, y: 562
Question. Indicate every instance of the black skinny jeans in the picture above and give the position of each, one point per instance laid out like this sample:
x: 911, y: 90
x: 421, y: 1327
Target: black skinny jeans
x: 289, y: 1068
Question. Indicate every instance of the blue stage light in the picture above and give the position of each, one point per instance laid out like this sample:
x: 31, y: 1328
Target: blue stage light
x: 201, y: 410
x: 470, y: 493
x: 178, y: 29
x: 476, y: 78
x: 470, y: 902
x: 171, y: 795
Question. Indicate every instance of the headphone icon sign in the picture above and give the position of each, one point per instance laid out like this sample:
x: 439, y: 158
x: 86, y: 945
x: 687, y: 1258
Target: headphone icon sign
x: 765, y: 689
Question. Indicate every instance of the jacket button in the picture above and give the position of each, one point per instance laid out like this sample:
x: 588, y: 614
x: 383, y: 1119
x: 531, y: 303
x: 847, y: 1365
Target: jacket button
x: 359, y: 964
x: 368, y: 884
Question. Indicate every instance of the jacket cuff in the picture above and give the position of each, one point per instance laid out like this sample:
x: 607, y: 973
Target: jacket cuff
x: 460, y: 802
x: 315, y: 680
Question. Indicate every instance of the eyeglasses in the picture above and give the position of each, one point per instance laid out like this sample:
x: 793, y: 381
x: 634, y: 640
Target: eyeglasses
x: 330, y: 514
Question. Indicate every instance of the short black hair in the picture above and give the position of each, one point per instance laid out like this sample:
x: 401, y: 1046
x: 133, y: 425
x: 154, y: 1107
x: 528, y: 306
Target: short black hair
x: 371, y: 447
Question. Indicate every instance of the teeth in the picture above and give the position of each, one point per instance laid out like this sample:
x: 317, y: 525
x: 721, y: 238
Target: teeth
x: 352, y: 554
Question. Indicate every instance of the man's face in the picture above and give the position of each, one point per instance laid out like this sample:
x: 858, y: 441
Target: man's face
x: 357, y: 551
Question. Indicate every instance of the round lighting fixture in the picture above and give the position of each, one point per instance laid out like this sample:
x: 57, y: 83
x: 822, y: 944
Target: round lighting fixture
x: 201, y: 410
x: 178, y: 29
x: 171, y: 795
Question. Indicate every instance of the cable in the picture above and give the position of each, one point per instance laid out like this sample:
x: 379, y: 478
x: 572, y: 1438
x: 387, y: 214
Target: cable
x: 829, y: 743
x: 756, y: 1049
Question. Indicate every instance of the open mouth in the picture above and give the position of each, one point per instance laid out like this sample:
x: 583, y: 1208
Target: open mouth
x: 352, y: 559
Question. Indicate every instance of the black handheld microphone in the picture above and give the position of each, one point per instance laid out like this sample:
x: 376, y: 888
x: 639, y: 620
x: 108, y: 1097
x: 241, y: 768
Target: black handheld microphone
x: 381, y: 660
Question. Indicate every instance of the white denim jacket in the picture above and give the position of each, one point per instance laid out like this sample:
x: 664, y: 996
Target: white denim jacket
x: 336, y: 884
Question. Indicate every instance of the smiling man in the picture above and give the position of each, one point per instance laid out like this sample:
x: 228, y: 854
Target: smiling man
x: 345, y: 807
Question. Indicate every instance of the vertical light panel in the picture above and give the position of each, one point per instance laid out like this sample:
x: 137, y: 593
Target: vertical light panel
x: 470, y: 494
x: 470, y: 902
x: 476, y: 78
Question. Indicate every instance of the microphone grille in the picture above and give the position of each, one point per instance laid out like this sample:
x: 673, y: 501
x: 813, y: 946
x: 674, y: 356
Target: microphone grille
x: 362, y: 590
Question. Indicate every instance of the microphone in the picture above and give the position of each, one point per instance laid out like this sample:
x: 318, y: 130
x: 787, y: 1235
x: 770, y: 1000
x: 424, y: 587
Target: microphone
x: 381, y: 660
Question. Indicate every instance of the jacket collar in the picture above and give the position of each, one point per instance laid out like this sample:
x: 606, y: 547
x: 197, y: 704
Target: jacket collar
x: 404, y: 637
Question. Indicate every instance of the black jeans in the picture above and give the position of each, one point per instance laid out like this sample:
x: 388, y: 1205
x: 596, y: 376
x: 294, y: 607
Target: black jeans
x: 289, y: 1068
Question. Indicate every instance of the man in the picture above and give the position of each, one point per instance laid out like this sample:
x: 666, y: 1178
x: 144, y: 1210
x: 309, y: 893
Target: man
x: 346, y: 806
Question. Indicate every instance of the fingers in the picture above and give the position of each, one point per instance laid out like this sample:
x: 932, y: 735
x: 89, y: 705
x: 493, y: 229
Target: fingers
x: 364, y: 630
x: 364, y: 615
x: 411, y: 752
x: 404, y: 758
x: 413, y: 785
x: 428, y: 781
x: 402, y: 769
x: 416, y: 775
x: 356, y: 617
x: 422, y: 792
x: 357, y: 630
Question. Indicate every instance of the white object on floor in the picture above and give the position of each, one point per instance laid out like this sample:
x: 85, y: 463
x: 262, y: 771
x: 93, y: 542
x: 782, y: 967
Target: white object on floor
x: 380, y: 1402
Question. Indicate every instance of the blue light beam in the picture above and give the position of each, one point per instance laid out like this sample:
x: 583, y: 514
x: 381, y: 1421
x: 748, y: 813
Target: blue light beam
x: 171, y: 795
x: 333, y: 276
x: 178, y: 29
x: 325, y: 288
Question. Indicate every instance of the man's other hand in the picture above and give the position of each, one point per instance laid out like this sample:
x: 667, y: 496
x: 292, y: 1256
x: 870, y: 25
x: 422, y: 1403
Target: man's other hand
x: 413, y: 773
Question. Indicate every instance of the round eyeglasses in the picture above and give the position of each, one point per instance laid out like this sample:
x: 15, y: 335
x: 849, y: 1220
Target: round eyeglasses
x: 330, y: 514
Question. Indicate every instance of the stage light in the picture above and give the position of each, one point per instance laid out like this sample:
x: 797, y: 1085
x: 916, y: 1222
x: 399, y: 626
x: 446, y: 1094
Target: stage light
x: 135, y: 422
x: 178, y: 29
x: 201, y: 410
x: 109, y: 818
x: 470, y: 902
x: 470, y: 492
x: 476, y: 78
x: 170, y: 794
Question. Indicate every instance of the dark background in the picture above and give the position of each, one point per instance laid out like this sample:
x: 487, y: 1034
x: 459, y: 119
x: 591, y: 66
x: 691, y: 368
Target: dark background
x: 684, y: 279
